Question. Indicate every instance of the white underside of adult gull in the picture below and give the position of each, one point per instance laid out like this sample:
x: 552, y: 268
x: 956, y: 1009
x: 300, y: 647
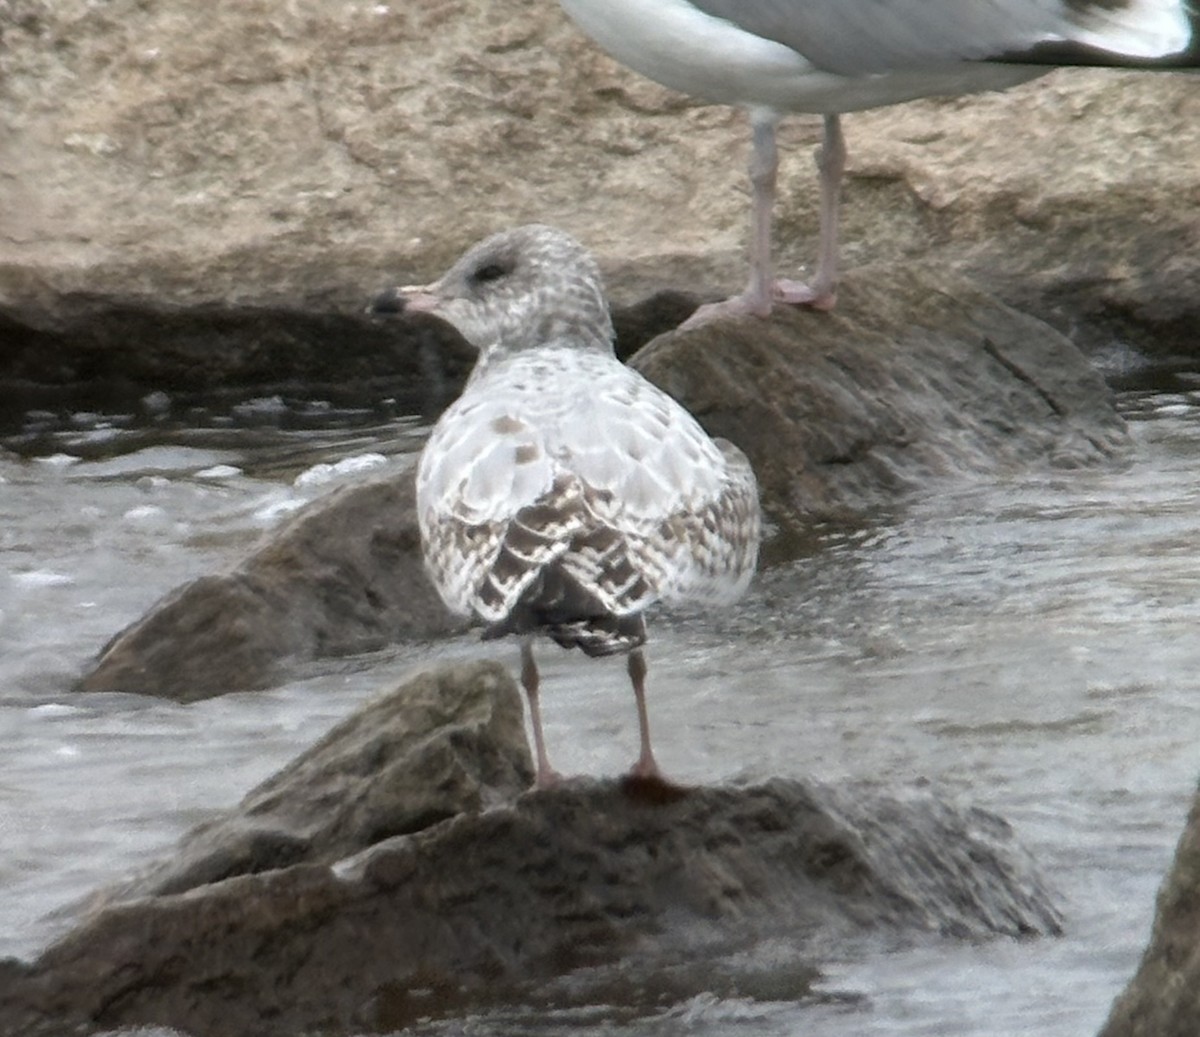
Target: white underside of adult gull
x: 828, y: 57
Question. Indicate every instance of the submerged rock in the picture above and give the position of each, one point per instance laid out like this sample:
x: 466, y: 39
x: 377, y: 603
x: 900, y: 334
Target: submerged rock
x: 490, y: 896
x: 1163, y: 998
x: 343, y: 576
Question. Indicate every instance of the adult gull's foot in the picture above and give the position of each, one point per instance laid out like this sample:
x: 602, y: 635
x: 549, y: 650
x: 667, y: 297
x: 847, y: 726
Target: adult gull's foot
x: 828, y: 57
x: 562, y: 493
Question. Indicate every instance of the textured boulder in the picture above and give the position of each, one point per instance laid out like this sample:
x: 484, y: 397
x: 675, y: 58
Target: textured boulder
x: 446, y: 742
x: 343, y: 576
x: 917, y: 375
x: 396, y: 874
x: 160, y: 160
x: 1163, y: 998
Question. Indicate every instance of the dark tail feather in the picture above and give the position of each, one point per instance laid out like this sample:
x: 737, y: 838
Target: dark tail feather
x: 557, y: 606
x: 609, y: 635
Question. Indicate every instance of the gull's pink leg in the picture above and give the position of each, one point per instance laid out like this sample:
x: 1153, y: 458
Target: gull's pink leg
x: 764, y: 171
x: 646, y: 767
x: 547, y: 776
x: 763, y: 290
x: 764, y: 165
x: 821, y: 293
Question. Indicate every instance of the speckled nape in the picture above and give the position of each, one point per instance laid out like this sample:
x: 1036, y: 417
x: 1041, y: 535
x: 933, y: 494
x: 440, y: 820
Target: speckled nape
x: 519, y: 290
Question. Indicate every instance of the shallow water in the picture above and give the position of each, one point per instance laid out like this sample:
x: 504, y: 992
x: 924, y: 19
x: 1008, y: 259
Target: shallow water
x: 1026, y: 644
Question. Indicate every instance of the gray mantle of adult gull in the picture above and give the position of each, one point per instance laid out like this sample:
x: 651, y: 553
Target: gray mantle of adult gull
x: 563, y: 493
x: 832, y: 56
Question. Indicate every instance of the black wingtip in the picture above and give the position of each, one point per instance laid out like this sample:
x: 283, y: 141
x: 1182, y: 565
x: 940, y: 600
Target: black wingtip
x: 1071, y: 52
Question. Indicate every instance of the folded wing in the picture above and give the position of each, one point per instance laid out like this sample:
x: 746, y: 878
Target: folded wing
x: 572, y: 513
x: 865, y: 37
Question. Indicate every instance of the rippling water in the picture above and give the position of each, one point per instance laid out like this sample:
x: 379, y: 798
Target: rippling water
x: 1026, y: 643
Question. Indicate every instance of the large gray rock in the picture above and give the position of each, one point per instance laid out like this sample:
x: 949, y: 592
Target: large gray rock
x: 554, y: 892
x: 282, y: 161
x: 918, y: 375
x: 446, y: 742
x: 1163, y: 998
x: 343, y: 576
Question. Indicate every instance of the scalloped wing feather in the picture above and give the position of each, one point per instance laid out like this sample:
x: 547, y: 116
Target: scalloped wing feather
x: 568, y: 459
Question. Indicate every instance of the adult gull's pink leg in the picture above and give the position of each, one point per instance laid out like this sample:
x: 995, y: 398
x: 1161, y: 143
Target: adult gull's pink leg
x: 821, y: 292
x: 764, y: 291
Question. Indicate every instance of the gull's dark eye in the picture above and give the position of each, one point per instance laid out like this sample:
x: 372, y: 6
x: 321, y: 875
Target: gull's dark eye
x: 489, y: 272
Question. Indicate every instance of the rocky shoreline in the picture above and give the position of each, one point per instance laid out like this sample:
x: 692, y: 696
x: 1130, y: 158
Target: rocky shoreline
x: 196, y: 202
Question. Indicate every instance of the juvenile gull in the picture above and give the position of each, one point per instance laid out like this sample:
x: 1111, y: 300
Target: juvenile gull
x: 826, y: 57
x: 562, y: 493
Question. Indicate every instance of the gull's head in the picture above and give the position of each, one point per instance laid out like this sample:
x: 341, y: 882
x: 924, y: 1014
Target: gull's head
x: 519, y: 289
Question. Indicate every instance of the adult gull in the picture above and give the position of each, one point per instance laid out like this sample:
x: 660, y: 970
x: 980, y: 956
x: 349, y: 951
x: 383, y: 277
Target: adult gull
x: 827, y: 57
x: 562, y: 493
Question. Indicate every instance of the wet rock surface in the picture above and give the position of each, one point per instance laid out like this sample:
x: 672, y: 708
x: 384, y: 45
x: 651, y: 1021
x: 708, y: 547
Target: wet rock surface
x: 113, y: 349
x: 917, y: 375
x: 448, y: 741
x: 1163, y: 997
x: 550, y: 895
x: 343, y: 576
